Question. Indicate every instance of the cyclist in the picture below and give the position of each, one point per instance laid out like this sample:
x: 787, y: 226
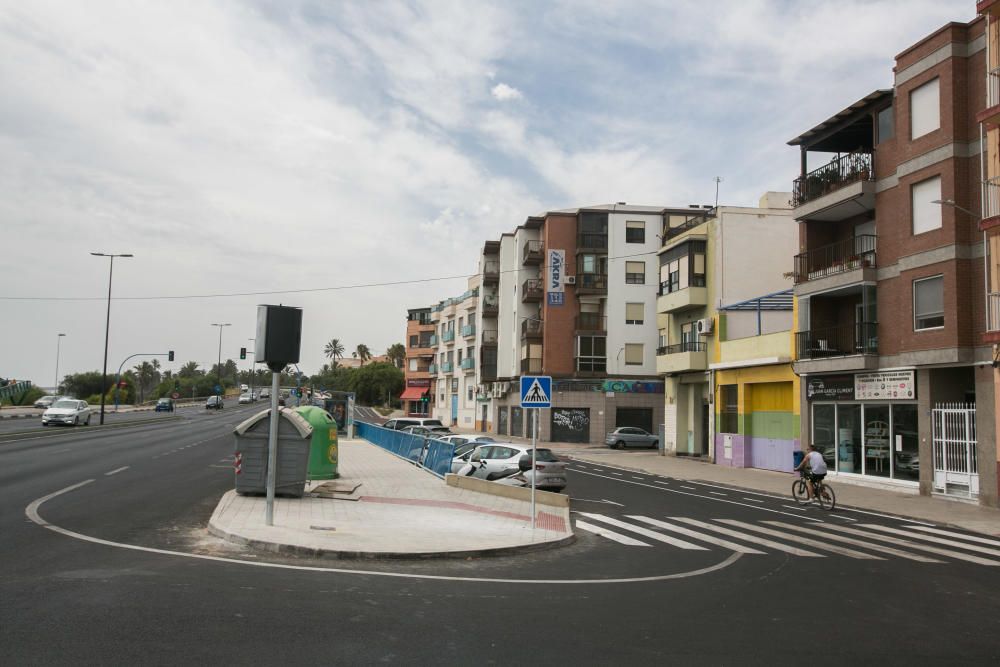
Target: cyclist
x: 813, y: 460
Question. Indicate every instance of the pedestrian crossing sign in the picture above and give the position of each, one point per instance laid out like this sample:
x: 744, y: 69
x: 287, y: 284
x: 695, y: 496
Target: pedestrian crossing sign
x: 536, y: 391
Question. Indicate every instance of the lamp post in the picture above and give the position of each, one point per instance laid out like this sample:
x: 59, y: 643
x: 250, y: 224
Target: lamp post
x: 107, y: 323
x: 219, y: 365
x: 59, y: 338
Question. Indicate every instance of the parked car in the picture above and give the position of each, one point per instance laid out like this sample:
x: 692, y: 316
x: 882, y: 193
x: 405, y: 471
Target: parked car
x: 67, y: 411
x: 244, y: 388
x: 429, y: 431
x: 459, y: 439
x: 630, y: 436
x: 46, y: 401
x: 214, y: 403
x: 246, y: 398
x: 403, y: 422
x: 464, y: 448
x: 499, y: 459
x: 165, y: 405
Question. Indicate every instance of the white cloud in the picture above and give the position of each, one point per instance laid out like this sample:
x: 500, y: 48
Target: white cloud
x: 503, y: 92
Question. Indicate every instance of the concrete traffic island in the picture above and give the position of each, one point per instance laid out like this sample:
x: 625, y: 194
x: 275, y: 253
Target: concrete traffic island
x: 384, y: 507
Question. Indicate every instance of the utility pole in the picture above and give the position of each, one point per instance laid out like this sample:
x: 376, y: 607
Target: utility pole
x: 107, y: 325
x: 59, y: 338
x: 219, y: 363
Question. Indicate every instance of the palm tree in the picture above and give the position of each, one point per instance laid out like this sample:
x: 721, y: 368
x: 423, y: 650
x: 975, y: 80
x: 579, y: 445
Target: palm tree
x: 188, y: 370
x: 334, y: 350
x: 397, y: 354
x: 362, y: 352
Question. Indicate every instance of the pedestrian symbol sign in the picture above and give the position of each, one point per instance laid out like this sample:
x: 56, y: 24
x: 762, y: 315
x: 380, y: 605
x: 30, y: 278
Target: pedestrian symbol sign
x: 536, y: 391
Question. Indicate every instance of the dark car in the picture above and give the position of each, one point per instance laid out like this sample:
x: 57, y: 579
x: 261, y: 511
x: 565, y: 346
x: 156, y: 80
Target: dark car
x: 165, y: 405
x: 214, y: 403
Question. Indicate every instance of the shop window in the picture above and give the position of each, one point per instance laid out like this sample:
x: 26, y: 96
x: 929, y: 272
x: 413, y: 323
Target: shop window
x: 729, y: 411
x: 928, y: 303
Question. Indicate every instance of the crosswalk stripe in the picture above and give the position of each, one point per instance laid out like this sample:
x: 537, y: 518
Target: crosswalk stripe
x: 949, y: 533
x: 914, y: 545
x: 843, y: 551
x: 645, y: 532
x: 795, y: 551
x: 698, y: 536
x: 858, y: 543
x: 931, y: 538
x: 611, y: 535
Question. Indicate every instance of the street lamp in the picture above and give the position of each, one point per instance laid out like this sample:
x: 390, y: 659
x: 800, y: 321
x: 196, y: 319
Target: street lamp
x: 219, y: 366
x: 59, y: 338
x: 107, y: 324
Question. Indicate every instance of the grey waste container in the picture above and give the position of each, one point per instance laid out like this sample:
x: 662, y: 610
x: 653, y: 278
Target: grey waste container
x: 294, y: 434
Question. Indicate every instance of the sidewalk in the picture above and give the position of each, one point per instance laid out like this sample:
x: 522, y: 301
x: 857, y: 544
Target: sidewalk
x: 385, y: 507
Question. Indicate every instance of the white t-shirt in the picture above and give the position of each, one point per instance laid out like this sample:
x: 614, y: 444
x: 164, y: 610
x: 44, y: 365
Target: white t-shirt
x: 816, y: 463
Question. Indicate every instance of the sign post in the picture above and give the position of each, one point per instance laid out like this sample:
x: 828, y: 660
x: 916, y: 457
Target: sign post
x: 536, y: 392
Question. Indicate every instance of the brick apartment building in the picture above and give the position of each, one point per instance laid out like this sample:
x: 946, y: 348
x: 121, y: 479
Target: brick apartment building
x: 418, y: 395
x: 897, y: 384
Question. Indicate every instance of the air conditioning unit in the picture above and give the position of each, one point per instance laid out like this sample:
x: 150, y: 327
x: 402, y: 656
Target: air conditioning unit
x: 570, y: 280
x: 705, y: 326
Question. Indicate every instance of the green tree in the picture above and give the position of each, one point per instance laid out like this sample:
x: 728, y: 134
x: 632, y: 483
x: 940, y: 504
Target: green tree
x: 374, y: 383
x: 189, y: 370
x: 397, y: 354
x: 334, y: 350
x: 83, y: 385
x: 362, y: 352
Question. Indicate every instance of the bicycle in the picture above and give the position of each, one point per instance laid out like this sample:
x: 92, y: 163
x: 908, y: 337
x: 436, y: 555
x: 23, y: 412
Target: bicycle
x: 822, y: 492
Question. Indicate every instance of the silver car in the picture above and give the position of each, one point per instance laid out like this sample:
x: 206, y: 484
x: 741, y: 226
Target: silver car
x: 67, y: 411
x: 630, y: 436
x: 46, y: 401
x: 499, y: 459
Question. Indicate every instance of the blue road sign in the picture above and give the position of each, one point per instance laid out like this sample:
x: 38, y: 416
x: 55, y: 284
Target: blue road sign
x: 218, y: 389
x: 536, y: 391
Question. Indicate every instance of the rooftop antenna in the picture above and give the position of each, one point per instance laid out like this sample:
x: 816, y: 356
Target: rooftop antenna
x: 718, y: 179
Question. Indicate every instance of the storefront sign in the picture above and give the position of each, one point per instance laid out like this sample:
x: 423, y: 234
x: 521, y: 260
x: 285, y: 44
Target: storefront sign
x: 830, y: 388
x: 631, y: 387
x: 885, y: 385
x: 418, y: 383
x: 556, y: 277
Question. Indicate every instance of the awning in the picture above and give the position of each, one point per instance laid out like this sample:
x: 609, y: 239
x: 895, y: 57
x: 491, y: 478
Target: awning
x: 413, y: 393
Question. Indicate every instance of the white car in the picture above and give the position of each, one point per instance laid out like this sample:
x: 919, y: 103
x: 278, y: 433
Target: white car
x: 67, y: 411
x: 496, y: 460
x: 246, y: 398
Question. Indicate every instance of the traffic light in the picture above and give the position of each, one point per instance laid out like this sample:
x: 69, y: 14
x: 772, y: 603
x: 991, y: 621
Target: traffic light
x: 170, y: 355
x: 243, y: 353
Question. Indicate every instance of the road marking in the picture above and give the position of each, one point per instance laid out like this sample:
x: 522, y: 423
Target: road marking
x: 116, y: 471
x: 753, y: 500
x: 732, y: 546
x: 815, y: 544
x: 914, y: 545
x: 660, y: 481
x: 689, y: 488
x: 970, y: 538
x: 602, y: 500
x: 858, y: 543
x: 845, y: 518
x: 795, y: 507
x: 716, y: 493
x: 642, y: 478
x: 795, y: 551
x: 610, y: 534
x: 645, y: 532
x: 616, y: 473
x: 931, y: 538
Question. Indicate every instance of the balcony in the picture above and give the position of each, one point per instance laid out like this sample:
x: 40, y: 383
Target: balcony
x: 491, y: 308
x: 448, y: 336
x: 992, y: 334
x: 683, y: 357
x: 591, y: 283
x: 488, y: 372
x: 531, y: 366
x: 489, y: 338
x: 468, y: 364
x: 682, y: 299
x: 991, y: 204
x: 468, y: 330
x: 991, y: 114
x: 591, y: 322
x: 840, y: 341
x: 840, y: 189
x: 532, y: 291
x: 837, y: 264
x: 586, y: 242
x: 491, y: 272
x: 434, y: 340
x: 688, y: 225
x: 432, y: 369
x: 448, y: 367
x: 533, y: 251
x: 531, y: 329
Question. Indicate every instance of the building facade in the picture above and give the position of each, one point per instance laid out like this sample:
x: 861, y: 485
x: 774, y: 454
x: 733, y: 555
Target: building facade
x: 453, y: 369
x: 896, y: 376
x: 418, y: 396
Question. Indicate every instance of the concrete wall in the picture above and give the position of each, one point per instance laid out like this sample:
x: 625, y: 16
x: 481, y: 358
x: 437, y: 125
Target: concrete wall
x: 508, y: 324
x: 620, y: 293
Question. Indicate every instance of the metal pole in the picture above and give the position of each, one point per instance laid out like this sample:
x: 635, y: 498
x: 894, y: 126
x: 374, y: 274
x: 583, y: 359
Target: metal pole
x: 59, y: 338
x: 534, y: 471
x: 272, y: 449
x: 107, y: 327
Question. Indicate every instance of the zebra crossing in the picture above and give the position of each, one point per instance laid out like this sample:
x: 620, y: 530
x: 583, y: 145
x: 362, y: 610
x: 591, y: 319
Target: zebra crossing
x: 859, y: 541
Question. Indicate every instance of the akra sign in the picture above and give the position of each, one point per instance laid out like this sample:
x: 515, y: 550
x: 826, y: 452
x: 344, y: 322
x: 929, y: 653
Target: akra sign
x: 556, y: 277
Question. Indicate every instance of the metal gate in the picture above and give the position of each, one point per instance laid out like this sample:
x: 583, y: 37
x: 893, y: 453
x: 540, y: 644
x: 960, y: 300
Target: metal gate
x: 956, y: 471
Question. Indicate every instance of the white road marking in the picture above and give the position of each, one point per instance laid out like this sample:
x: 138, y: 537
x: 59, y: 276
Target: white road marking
x: 970, y: 538
x: 914, y: 545
x: 845, y: 518
x: 716, y: 493
x: 660, y: 481
x: 634, y: 477
x: 795, y: 507
x: 690, y: 488
x: 815, y: 544
x: 732, y: 546
x: 645, y: 532
x: 616, y: 473
x: 931, y: 538
x: 795, y: 551
x: 858, y: 543
x: 602, y: 500
x: 610, y: 534
x: 116, y: 471
x: 753, y: 500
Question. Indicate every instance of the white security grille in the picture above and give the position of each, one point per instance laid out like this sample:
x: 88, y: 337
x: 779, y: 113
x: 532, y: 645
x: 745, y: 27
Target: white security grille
x: 956, y: 470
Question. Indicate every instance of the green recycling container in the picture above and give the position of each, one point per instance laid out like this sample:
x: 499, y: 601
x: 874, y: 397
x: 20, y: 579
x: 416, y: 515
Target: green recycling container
x: 323, y: 452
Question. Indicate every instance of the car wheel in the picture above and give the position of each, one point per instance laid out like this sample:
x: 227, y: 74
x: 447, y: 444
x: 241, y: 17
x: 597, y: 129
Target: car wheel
x: 619, y: 445
x: 76, y: 421
x: 87, y: 423
x: 45, y: 423
x: 654, y: 445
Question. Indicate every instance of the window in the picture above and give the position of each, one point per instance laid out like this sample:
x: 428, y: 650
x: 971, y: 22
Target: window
x: 689, y: 337
x: 729, y: 412
x: 926, y: 215
x: 633, y: 354
x: 925, y: 109
x: 634, y: 313
x: 635, y: 273
x: 454, y: 385
x: 682, y: 266
x: 592, y: 353
x: 413, y: 341
x: 470, y: 393
x: 886, y: 124
x: 459, y: 356
x: 928, y: 303
x: 412, y: 365
x: 635, y: 231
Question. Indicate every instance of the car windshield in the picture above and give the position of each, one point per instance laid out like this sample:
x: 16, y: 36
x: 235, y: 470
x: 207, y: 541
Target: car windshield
x: 66, y: 404
x: 544, y: 455
x: 462, y: 450
x: 484, y: 438
x: 164, y: 400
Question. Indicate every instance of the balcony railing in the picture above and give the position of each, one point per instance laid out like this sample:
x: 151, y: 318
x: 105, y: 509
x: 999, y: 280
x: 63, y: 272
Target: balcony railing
x: 836, y: 174
x: 589, y: 366
x: 448, y: 336
x: 490, y: 307
x: 433, y: 368
x: 991, y: 198
x: 993, y: 311
x: 840, y: 341
x: 591, y: 281
x: 531, y: 329
x: 668, y: 287
x: 434, y: 341
x: 835, y: 258
x: 447, y: 367
x: 468, y: 364
x: 532, y: 253
x: 491, y: 271
x: 591, y: 242
x: 531, y: 365
x: 993, y: 88
x: 468, y: 330
x: 489, y: 337
x: 591, y: 322
x: 532, y: 290
x: 690, y: 223
x: 488, y: 372
x: 686, y: 346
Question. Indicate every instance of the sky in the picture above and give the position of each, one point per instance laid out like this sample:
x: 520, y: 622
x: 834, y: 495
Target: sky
x: 281, y: 145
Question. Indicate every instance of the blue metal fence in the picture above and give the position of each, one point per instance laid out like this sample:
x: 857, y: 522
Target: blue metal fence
x: 433, y: 455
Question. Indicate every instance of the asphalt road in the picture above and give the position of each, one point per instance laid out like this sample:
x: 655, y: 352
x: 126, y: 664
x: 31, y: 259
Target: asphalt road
x: 620, y: 594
